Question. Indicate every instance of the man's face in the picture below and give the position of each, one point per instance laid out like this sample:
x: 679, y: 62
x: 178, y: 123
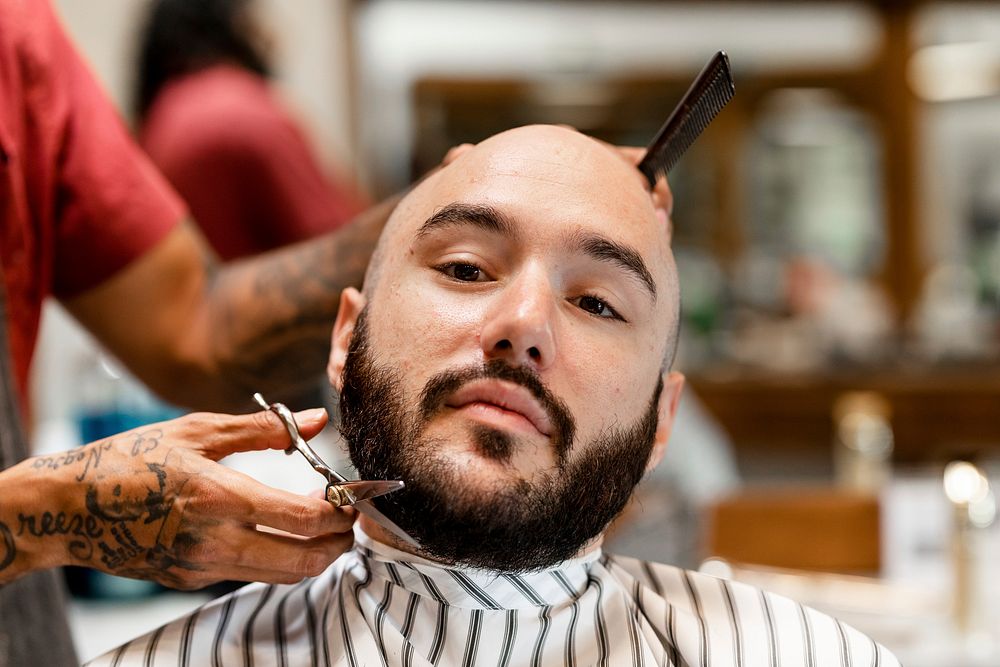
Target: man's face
x: 508, y: 363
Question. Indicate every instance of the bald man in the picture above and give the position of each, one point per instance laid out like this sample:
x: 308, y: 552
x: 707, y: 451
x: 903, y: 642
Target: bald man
x: 509, y: 358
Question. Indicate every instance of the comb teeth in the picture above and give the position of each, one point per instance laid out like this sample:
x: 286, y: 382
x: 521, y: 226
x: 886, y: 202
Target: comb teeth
x: 710, y: 92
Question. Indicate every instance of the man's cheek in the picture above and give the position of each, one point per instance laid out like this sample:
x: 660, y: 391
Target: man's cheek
x: 441, y: 325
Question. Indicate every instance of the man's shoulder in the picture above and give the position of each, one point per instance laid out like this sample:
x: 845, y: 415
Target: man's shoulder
x: 741, y: 618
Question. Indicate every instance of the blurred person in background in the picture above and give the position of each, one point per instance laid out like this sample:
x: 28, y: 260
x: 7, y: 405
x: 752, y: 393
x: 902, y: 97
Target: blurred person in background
x: 215, y: 127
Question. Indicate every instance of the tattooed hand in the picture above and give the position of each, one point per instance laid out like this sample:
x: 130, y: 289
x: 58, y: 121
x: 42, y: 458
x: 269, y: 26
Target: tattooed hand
x: 153, y: 503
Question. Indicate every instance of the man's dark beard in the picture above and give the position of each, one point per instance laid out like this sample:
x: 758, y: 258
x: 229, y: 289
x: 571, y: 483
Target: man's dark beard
x: 527, y: 526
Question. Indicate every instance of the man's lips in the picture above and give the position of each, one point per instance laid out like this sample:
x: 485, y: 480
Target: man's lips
x: 506, y: 397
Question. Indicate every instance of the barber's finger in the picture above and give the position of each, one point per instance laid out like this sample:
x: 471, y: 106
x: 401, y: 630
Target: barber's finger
x: 302, y: 515
x: 455, y: 152
x: 301, y: 557
x: 218, y: 436
x: 252, y: 502
x: 663, y: 197
x: 633, y: 154
x: 250, y: 555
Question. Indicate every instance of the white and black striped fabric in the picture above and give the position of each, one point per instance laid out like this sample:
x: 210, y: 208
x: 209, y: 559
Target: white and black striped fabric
x: 379, y: 607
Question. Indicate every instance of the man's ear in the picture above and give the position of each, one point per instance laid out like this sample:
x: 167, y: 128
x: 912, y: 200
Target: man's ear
x: 670, y: 397
x: 352, y: 302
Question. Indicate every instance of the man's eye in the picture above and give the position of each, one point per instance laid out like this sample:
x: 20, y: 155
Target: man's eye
x: 595, y: 306
x: 468, y: 273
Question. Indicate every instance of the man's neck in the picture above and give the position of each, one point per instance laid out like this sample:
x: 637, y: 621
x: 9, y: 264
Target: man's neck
x: 380, y: 534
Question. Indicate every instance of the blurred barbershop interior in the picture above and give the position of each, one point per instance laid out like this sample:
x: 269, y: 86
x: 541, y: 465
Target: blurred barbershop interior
x: 837, y: 236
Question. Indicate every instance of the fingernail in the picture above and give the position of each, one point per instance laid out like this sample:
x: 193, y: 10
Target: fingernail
x: 312, y: 414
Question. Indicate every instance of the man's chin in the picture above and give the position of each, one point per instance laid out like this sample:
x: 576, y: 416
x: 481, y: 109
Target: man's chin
x: 493, y: 454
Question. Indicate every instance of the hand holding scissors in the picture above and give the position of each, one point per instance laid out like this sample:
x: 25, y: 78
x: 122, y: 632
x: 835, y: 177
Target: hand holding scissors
x: 340, y: 490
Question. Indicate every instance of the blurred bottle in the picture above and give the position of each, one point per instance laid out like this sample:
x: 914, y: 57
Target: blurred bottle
x: 863, y: 441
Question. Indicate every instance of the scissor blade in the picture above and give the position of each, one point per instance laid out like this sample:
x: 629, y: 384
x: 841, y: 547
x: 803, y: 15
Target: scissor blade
x: 368, y: 489
x: 366, y: 508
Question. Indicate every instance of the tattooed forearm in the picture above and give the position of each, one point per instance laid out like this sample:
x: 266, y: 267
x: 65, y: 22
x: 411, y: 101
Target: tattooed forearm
x: 272, y: 316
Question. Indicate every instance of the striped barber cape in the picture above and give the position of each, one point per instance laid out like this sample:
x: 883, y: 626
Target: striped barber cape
x: 378, y: 606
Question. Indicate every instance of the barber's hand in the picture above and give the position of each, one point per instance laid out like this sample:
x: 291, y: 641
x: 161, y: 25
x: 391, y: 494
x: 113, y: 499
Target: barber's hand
x: 152, y: 503
x: 455, y: 152
x: 663, y: 199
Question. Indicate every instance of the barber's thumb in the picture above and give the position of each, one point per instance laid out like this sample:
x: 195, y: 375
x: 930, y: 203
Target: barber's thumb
x: 311, y: 421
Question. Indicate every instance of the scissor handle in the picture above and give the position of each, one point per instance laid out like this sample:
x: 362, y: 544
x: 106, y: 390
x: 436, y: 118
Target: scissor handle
x: 290, y: 424
x: 298, y: 442
x: 339, y: 495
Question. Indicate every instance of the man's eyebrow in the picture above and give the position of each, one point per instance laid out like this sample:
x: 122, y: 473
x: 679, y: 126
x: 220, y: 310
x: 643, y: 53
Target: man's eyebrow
x: 486, y: 218
x: 606, y: 250
x: 493, y: 220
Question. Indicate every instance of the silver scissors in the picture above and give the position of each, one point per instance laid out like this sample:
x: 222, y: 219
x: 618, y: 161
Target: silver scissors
x: 340, y: 490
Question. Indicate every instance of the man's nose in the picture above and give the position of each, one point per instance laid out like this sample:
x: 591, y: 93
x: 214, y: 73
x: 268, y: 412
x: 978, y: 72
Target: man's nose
x: 519, y: 325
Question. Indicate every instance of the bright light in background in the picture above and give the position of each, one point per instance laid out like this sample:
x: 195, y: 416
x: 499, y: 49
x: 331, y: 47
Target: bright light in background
x: 966, y: 486
x: 951, y: 72
x: 963, y: 483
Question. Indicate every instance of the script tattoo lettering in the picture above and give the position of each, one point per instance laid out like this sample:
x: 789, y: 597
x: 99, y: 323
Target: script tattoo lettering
x: 90, y: 453
x: 146, y: 441
x: 84, y: 527
x: 143, y: 442
x: 9, y: 550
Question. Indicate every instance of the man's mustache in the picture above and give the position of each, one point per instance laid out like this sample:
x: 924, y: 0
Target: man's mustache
x: 444, y: 384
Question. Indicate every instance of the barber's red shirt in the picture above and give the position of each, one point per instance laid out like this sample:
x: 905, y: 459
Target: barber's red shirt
x: 242, y: 164
x: 78, y: 200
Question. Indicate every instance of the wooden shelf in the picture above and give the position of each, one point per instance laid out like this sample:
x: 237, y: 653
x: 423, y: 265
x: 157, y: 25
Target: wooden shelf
x: 937, y: 413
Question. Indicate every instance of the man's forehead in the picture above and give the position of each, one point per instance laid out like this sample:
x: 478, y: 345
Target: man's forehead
x: 546, y: 155
x: 544, y: 175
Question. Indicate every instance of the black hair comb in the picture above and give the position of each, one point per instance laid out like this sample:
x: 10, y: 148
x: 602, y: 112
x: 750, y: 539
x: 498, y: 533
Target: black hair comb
x: 706, y: 97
